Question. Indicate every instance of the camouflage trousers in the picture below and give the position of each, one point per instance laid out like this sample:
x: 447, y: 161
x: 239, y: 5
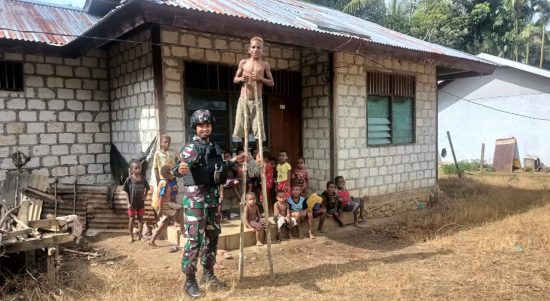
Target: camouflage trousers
x: 202, y: 231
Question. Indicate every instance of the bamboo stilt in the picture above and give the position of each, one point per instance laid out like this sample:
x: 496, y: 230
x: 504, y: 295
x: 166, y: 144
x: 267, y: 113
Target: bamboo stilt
x: 243, y: 193
x: 259, y: 143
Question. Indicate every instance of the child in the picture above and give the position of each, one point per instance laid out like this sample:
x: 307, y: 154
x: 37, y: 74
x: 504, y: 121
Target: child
x: 283, y: 174
x: 162, y: 202
x: 298, y: 208
x: 136, y: 188
x: 232, y: 179
x: 252, y: 71
x: 253, y: 182
x: 332, y: 202
x: 349, y: 203
x: 316, y: 207
x: 300, y: 176
x: 281, y: 215
x: 163, y: 156
x: 268, y: 174
x: 252, y: 217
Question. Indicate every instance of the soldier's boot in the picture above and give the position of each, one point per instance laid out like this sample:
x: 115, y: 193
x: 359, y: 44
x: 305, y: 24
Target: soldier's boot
x: 208, y: 277
x: 191, y: 287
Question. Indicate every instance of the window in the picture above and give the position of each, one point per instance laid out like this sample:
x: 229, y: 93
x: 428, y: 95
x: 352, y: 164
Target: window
x: 11, y: 76
x: 390, y: 108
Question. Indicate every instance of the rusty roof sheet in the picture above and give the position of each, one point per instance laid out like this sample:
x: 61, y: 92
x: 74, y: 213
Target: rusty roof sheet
x: 308, y: 16
x: 34, y: 22
x: 506, y: 151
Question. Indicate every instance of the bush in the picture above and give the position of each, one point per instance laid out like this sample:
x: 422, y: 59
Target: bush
x: 465, y: 165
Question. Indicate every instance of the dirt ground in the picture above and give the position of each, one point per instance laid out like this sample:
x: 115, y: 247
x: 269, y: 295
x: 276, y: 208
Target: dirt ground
x: 487, y: 238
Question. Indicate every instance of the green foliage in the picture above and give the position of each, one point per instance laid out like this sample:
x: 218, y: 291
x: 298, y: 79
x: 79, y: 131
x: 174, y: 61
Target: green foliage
x: 466, y: 165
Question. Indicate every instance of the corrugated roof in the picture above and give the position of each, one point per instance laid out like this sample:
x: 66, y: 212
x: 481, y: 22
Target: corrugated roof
x: 516, y: 65
x: 308, y: 16
x: 22, y: 20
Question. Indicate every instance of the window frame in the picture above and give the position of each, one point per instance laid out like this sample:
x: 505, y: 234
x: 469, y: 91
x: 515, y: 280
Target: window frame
x: 16, y: 77
x: 391, y: 95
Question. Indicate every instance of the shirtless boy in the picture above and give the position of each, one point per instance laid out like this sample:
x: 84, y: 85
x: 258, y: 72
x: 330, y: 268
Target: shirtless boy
x: 250, y: 71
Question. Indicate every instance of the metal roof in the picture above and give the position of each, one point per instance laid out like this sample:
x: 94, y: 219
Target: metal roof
x: 35, y: 22
x: 516, y: 65
x: 312, y: 17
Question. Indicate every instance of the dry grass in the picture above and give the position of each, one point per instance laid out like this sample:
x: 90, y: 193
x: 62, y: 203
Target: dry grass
x: 479, y: 242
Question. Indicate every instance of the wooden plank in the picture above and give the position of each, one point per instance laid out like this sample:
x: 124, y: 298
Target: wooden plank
x: 44, y: 223
x: 51, y: 262
x: 24, y: 232
x: 38, y: 243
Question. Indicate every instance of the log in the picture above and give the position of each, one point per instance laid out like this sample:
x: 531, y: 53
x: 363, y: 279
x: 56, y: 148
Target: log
x: 42, y: 195
x: 38, y: 243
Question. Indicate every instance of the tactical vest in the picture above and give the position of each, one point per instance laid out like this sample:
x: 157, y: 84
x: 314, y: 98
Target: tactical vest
x: 209, y: 168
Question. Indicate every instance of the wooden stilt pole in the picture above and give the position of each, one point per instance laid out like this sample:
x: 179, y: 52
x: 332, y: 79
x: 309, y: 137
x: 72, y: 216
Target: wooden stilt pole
x: 259, y: 144
x: 243, y: 192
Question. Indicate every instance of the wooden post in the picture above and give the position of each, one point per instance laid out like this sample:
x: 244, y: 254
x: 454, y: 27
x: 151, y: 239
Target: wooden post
x: 52, y: 253
x: 260, y: 146
x: 454, y: 157
x: 243, y: 192
x: 482, y: 156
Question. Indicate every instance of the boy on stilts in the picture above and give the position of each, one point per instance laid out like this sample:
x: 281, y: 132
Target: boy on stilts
x: 253, y: 73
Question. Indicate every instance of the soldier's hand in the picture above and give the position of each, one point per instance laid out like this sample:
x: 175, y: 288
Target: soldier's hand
x: 183, y: 168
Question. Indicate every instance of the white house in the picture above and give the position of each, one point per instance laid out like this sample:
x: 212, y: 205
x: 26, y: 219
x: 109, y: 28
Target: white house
x: 512, y: 102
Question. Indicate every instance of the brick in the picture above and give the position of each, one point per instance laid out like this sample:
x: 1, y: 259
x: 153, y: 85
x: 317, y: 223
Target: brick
x: 50, y: 161
x: 16, y: 104
x: 196, y: 54
x: 44, y: 69
x: 7, y: 116
x: 103, y: 158
x: 65, y: 93
x: 74, y: 105
x: 220, y: 44
x: 56, y: 127
x: 95, y: 168
x: 83, y: 94
x: 86, y: 159
x: 91, y: 127
x: 34, y: 58
x: 15, y: 128
x: 179, y: 51
x: 78, y: 149
x: 34, y: 81
x: 74, y: 127
x: 102, y: 137
x: 27, y: 116
x: 13, y: 56
x: 60, y: 149
x: 69, y: 160
x: 72, y: 62
x: 45, y: 93
x: 66, y: 138
x: 90, y: 84
x: 40, y: 150
x: 95, y: 148
x: 170, y: 37
x: 28, y: 139
x: 91, y: 106
x: 73, y: 83
x: 212, y: 55
x: 66, y: 116
x: 54, y: 60
x: 99, y: 73
x: 48, y: 138
x: 35, y: 128
x: 188, y: 40
x: 85, y: 138
x: 89, y: 62
x: 82, y: 72
x: 36, y: 104
x: 84, y: 116
x: 64, y: 71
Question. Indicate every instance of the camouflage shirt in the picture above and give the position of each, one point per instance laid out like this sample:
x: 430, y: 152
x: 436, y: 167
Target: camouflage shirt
x: 201, y: 196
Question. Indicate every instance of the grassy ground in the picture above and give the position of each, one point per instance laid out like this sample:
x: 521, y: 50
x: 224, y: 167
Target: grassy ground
x: 486, y: 238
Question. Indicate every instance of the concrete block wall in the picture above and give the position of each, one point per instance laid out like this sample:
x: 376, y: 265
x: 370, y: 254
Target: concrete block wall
x: 205, y: 47
x: 60, y: 119
x: 133, y: 110
x: 316, y: 119
x: 383, y: 169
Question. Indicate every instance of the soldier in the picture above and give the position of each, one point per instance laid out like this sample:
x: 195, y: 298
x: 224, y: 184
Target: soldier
x: 202, y: 168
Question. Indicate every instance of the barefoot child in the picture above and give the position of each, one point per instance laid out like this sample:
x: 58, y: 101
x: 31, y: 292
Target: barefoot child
x: 298, y: 208
x: 281, y: 214
x: 162, y: 203
x: 252, y: 71
x: 163, y: 156
x: 300, y: 176
x: 135, y: 188
x: 332, y: 202
x: 283, y: 174
x: 252, y: 217
x: 349, y: 203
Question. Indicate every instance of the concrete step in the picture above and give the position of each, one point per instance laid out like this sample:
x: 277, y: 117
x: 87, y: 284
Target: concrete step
x: 230, y: 236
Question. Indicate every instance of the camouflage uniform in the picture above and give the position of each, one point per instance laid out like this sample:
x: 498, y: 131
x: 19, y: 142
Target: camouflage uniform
x: 200, y: 205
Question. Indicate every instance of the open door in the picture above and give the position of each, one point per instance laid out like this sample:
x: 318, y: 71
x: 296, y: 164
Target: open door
x: 285, y: 126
